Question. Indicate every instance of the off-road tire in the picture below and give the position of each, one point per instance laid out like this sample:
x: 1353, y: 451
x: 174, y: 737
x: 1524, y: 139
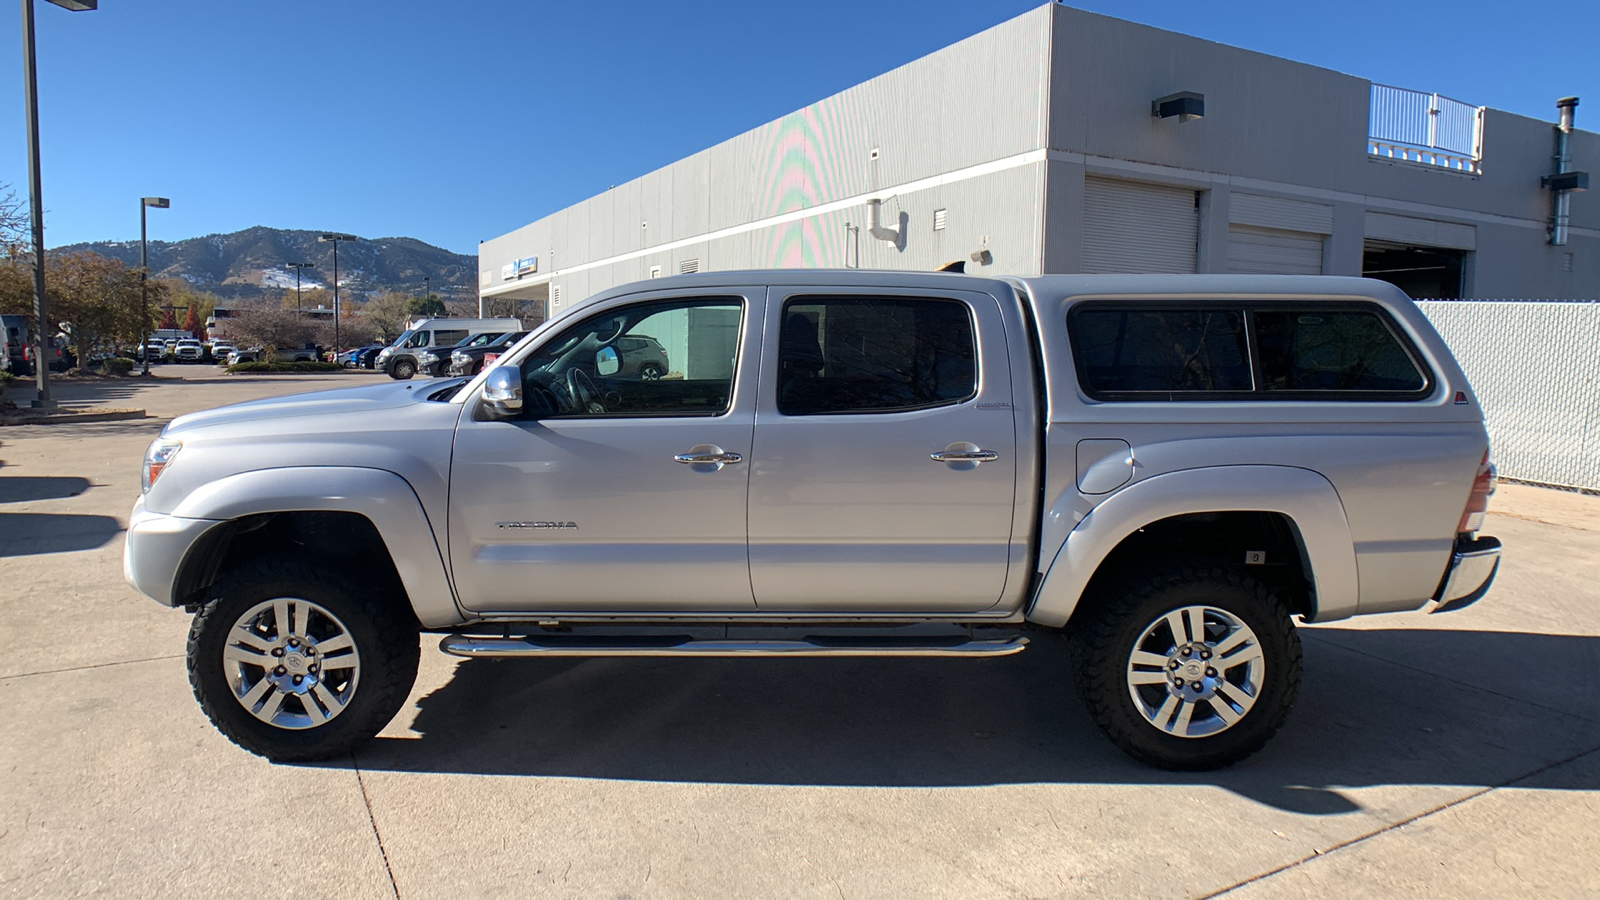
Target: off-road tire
x: 1103, y: 644
x: 385, y: 636
x: 402, y: 370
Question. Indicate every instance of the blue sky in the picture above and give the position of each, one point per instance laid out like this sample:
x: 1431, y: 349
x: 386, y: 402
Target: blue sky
x: 455, y: 122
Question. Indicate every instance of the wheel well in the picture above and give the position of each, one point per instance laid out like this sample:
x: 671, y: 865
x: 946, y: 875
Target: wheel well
x: 1218, y: 538
x: 346, y: 540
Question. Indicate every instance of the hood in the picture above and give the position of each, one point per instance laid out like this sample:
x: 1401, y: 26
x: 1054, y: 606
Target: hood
x: 337, y: 402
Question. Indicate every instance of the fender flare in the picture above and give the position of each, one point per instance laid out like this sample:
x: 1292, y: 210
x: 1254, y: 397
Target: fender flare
x: 384, y: 498
x: 1307, y: 498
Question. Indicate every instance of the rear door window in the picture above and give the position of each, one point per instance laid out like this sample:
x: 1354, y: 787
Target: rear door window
x: 450, y: 338
x: 874, y: 355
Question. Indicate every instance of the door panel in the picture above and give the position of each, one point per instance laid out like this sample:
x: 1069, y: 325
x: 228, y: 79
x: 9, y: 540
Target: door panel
x: 588, y: 509
x: 849, y: 512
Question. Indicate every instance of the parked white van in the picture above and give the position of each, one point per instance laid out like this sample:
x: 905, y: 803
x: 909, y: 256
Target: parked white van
x: 400, y: 359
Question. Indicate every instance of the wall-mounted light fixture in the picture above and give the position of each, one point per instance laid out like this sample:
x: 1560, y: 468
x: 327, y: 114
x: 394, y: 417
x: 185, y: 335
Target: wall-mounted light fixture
x: 1566, y: 181
x: 1186, y: 105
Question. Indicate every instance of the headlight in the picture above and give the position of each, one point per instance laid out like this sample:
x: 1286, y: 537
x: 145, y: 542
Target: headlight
x: 156, y: 460
x: 458, y: 356
x: 384, y: 353
x: 427, y: 359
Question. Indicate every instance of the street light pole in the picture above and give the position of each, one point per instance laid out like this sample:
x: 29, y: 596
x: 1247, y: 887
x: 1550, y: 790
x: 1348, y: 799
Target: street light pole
x: 297, y: 267
x: 41, y: 366
x: 335, y: 239
x: 144, y: 274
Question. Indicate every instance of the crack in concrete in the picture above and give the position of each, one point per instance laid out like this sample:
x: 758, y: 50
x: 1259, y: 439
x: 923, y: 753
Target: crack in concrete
x: 120, y: 662
x: 373, y: 821
x: 1319, y: 854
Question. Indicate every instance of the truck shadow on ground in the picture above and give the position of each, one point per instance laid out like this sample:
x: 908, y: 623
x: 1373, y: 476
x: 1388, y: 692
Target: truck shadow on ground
x: 1361, y: 720
x: 29, y: 534
x: 25, y: 488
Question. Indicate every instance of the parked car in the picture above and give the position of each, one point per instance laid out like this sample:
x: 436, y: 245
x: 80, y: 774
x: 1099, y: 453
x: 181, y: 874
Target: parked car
x: 189, y: 351
x: 400, y: 359
x: 352, y: 359
x: 221, y: 350
x: 435, y: 363
x: 307, y: 353
x: 470, y: 359
x: 1169, y: 470
x: 641, y: 356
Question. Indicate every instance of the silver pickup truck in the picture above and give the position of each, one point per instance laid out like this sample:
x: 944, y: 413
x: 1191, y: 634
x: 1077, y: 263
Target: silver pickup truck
x: 1168, y: 469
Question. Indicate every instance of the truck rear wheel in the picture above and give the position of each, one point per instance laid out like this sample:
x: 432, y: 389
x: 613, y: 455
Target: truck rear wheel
x: 296, y: 663
x: 1192, y: 668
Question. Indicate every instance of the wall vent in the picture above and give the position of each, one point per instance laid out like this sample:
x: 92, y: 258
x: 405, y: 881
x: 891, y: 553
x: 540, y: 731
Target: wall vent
x: 655, y: 271
x: 1566, y: 262
x: 938, y: 220
x: 689, y: 267
x: 555, y: 294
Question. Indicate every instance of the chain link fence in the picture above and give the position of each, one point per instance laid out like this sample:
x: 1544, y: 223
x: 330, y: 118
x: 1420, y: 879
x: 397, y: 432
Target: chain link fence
x: 1535, y: 366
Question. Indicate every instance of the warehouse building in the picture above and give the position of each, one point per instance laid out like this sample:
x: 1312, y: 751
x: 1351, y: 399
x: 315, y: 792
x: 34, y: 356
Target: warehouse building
x: 1064, y: 141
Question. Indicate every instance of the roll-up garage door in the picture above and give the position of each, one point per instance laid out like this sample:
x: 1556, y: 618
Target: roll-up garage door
x: 1132, y: 227
x: 1269, y: 251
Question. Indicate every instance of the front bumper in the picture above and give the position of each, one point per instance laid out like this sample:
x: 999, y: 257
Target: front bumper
x: 1473, y: 566
x: 154, y: 549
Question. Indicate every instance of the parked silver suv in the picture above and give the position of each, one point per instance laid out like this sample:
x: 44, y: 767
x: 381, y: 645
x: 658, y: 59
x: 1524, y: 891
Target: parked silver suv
x: 1170, y: 470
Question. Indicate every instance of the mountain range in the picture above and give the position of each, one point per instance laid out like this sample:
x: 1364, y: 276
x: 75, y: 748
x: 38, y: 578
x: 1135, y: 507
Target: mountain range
x: 254, y: 263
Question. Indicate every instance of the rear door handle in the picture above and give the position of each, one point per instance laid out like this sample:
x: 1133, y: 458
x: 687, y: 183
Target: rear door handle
x: 964, y: 456
x: 696, y: 456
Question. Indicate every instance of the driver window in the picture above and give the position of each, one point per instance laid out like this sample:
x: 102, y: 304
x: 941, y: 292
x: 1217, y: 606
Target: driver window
x: 667, y: 358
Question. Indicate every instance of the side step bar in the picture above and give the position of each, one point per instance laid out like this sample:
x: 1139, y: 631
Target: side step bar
x: 682, y: 645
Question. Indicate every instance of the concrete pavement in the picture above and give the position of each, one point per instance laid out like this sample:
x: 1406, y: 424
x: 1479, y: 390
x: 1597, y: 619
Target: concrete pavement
x: 1452, y: 753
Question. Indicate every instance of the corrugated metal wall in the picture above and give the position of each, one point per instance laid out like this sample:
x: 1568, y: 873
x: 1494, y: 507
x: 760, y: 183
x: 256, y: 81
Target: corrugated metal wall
x: 971, y: 104
x: 1535, y: 366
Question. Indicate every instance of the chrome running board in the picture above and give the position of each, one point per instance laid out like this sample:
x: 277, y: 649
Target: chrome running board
x: 683, y: 645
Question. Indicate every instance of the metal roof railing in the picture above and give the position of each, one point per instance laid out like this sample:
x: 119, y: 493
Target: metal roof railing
x: 1428, y: 129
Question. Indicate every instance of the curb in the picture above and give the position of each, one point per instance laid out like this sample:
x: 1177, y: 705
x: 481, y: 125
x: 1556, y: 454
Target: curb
x: 109, y: 415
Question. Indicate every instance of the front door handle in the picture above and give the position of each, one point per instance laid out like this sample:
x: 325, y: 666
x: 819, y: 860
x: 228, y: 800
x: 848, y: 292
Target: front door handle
x: 708, y: 457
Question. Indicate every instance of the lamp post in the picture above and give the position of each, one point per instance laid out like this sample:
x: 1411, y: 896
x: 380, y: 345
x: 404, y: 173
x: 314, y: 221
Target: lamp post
x: 30, y: 77
x: 427, y: 287
x: 144, y: 273
x: 335, y: 239
x: 297, y: 267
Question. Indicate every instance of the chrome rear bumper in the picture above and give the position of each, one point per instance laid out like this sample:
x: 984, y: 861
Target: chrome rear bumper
x: 1472, y: 569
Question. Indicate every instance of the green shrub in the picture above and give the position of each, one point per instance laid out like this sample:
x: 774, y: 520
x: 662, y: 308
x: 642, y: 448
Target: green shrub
x: 118, y: 366
x: 266, y: 368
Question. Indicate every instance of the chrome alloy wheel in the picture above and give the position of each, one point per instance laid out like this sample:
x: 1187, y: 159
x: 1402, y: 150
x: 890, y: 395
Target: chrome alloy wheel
x: 1195, y: 671
x: 291, y: 663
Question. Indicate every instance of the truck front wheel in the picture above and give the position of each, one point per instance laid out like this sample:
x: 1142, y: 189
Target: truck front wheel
x: 1192, y: 668
x: 402, y: 369
x: 296, y: 663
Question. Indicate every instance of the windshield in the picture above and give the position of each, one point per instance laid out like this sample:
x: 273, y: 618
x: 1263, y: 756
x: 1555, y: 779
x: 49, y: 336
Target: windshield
x: 478, y: 340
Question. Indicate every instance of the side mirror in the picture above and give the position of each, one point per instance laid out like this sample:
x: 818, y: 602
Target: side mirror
x: 606, y: 362
x: 502, y: 392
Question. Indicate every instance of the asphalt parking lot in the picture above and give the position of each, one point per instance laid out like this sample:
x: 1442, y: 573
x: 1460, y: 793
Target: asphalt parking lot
x: 1457, y: 754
